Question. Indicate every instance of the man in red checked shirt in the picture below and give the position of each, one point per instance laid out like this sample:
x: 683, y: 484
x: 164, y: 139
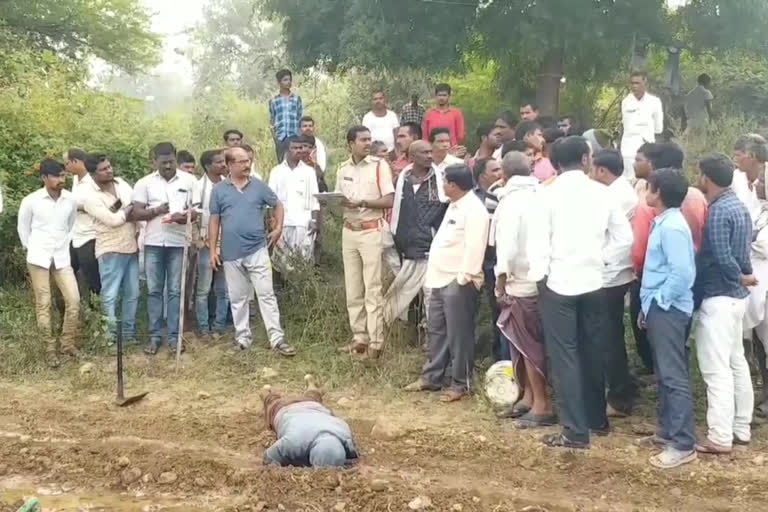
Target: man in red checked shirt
x: 446, y: 116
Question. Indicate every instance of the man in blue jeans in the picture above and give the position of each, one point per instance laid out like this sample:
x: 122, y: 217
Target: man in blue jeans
x: 161, y: 199
x: 667, y: 305
x: 108, y: 201
x: 215, y: 167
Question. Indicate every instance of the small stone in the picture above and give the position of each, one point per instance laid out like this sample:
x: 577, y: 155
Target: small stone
x: 44, y: 461
x: 386, y: 430
x: 130, y: 475
x: 345, y: 402
x: 475, y: 499
x: 457, y: 507
x: 339, y: 507
x: 260, y: 506
x: 123, y: 462
x: 759, y: 460
x: 168, y: 477
x: 148, y: 478
x: 200, y: 482
x: 482, y: 439
x: 23, y: 451
x: 68, y: 487
x: 379, y: 485
x: 280, y: 506
x: 528, y: 463
x: 203, y: 395
x: 268, y: 373
x: 86, y: 369
x: 676, y: 491
x: 420, y: 503
x: 24, y: 439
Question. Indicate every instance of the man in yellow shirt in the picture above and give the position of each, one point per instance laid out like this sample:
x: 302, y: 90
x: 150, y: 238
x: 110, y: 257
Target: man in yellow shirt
x: 366, y: 183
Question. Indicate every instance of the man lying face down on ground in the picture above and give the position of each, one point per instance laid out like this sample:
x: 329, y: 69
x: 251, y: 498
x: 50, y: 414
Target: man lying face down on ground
x: 308, y: 434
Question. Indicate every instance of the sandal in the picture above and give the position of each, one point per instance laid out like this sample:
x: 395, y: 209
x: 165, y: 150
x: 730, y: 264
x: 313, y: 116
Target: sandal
x: 560, y: 441
x: 151, y: 350
x: 285, y: 349
x: 530, y: 420
x: 516, y: 411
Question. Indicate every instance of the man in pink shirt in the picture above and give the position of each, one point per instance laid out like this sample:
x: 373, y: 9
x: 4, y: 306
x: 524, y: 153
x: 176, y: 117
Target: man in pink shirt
x: 530, y: 132
x: 446, y: 116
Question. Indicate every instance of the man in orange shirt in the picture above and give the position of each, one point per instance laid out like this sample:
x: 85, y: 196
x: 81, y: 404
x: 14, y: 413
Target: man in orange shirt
x: 446, y: 116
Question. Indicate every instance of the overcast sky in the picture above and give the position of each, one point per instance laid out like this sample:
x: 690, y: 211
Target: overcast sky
x: 170, y: 18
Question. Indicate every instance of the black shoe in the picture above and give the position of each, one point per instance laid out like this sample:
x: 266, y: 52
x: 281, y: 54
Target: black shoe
x: 560, y: 441
x: 601, y: 431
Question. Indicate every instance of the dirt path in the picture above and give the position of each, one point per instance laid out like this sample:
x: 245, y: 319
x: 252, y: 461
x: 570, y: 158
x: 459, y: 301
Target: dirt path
x: 66, y: 443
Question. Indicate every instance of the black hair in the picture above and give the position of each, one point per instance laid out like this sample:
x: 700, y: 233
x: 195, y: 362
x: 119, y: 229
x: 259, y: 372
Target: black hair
x: 671, y: 186
x: 293, y: 139
x: 437, y: 131
x: 379, y: 90
x: 76, y: 154
x: 718, y: 168
x: 163, y: 148
x: 611, y: 159
x: 546, y: 122
x: 283, y: 73
x: 247, y: 147
x: 569, y: 151
x: 309, y: 140
x: 666, y: 154
x: 515, y: 145
x: 552, y: 134
x: 206, y: 159
x: 442, y: 88
x: 461, y: 175
x: 306, y: 119
x: 508, y: 117
x: 51, y: 166
x: 414, y: 100
x: 639, y: 73
x: 530, y: 103
x: 480, y: 165
x: 414, y: 129
x: 93, y: 160
x: 185, y: 157
x: 704, y: 79
x: 647, y: 149
x: 353, y: 132
x: 485, y: 129
x: 232, y: 131
x: 526, y: 127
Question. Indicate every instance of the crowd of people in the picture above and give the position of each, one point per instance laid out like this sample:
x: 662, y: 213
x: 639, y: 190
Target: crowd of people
x: 553, y: 226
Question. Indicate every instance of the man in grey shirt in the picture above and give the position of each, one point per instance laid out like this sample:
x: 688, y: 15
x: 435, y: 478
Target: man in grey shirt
x: 698, y: 105
x: 237, y: 207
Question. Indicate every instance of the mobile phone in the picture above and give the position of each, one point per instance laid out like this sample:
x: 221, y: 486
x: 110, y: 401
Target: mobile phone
x: 115, y: 207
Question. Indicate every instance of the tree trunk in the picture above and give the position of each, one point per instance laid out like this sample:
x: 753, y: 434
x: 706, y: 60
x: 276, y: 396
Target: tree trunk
x: 548, y: 83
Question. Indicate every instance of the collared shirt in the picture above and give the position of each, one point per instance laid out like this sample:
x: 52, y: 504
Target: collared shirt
x: 241, y: 213
x: 45, y: 227
x: 296, y: 189
x: 747, y: 193
x: 367, y: 180
x: 403, y: 180
x: 411, y: 114
x: 321, y: 154
x: 670, y: 267
x: 693, y: 209
x: 516, y: 230
x: 179, y: 192
x: 84, y: 230
x: 448, y: 161
x: 113, y: 233
x: 724, y: 255
x: 453, y: 119
x: 382, y: 127
x: 285, y: 113
x: 458, y: 249
x: 587, y: 230
x: 621, y: 270
x: 205, y: 187
x: 642, y: 119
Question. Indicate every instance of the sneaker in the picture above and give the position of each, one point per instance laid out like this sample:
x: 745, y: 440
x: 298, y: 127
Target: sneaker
x: 671, y: 458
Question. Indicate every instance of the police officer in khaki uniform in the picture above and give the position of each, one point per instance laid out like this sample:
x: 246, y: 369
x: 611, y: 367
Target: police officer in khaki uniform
x: 366, y: 183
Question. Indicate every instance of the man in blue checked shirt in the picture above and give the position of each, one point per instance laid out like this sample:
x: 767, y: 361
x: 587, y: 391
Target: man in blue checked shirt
x: 285, y: 112
x: 724, y: 270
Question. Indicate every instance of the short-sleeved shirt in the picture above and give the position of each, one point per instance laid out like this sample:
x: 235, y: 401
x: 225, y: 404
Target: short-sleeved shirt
x: 368, y: 180
x: 241, y: 213
x: 696, y: 104
x: 179, y: 192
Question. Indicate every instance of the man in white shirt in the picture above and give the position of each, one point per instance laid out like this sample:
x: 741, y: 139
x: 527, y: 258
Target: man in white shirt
x: 750, y: 154
x: 455, y: 277
x: 381, y: 121
x: 586, y: 230
x: 321, y: 155
x: 81, y: 252
x: 45, y: 222
x: 295, y: 185
x: 440, y: 138
x: 215, y: 167
x: 162, y: 199
x: 618, y: 275
x: 108, y: 201
x: 642, y: 117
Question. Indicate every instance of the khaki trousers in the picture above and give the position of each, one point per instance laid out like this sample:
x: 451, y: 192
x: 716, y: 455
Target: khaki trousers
x: 67, y: 284
x: 362, y: 254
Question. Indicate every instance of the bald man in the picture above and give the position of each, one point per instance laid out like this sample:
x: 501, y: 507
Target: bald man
x: 417, y: 212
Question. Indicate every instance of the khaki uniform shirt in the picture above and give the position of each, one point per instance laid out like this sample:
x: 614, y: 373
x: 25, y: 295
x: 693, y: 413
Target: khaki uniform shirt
x: 368, y: 180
